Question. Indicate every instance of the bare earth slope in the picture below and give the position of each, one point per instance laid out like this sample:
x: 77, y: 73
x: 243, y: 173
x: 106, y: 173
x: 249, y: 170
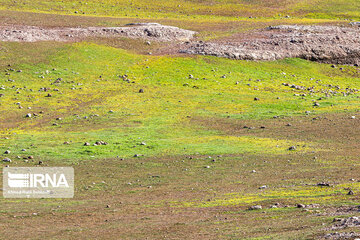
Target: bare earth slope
x: 151, y: 31
x: 329, y: 44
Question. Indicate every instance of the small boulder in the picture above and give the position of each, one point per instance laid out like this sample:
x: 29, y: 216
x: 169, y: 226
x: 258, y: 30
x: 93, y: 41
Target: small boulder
x: 7, y: 160
x: 256, y: 207
x: 323, y: 184
x: 350, y: 192
x: 300, y: 206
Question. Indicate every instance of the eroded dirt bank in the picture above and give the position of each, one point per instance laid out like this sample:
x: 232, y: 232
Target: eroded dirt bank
x: 150, y: 31
x: 330, y: 44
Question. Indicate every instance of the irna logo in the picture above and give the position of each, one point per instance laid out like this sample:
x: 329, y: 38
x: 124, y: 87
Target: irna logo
x: 36, y: 180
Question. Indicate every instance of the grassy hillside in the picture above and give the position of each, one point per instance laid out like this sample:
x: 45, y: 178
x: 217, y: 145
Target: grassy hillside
x: 95, y: 102
x: 191, y: 140
x: 206, y: 9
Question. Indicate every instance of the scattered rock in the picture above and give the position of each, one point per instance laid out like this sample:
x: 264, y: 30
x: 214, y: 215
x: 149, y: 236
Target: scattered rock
x: 300, y: 206
x: 346, y: 223
x: 323, y: 184
x: 7, y: 160
x: 350, y: 192
x: 342, y: 236
x: 100, y: 143
x: 256, y: 207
